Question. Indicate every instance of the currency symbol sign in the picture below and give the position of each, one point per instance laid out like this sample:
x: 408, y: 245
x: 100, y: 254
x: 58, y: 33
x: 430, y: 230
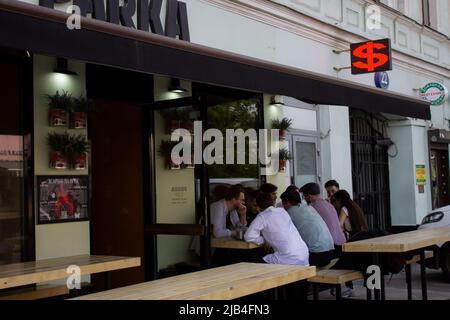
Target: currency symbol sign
x: 374, y: 60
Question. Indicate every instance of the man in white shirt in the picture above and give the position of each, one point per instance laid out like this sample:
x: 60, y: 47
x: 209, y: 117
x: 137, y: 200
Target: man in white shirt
x: 274, y: 226
x: 229, y: 214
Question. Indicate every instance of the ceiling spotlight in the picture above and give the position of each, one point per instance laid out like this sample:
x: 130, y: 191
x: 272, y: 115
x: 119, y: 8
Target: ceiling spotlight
x: 62, y: 66
x: 175, y: 86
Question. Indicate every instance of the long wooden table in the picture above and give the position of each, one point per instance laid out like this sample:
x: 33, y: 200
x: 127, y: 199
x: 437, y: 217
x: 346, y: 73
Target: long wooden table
x: 222, y: 283
x: 407, y: 242
x: 19, y: 274
x: 230, y: 243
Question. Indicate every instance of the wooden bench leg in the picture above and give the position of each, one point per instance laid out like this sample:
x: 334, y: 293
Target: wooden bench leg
x: 423, y: 275
x: 338, y: 292
x: 408, y: 281
x: 315, y: 291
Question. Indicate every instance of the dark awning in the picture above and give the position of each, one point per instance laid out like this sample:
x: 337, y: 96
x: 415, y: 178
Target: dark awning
x: 42, y: 30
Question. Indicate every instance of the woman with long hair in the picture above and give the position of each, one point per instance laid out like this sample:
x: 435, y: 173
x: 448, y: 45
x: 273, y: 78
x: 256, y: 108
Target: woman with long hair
x: 351, y: 216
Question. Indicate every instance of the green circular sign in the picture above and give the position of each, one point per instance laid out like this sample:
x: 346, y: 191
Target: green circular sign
x: 435, y: 93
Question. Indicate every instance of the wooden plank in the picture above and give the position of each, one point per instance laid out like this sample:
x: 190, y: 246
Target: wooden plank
x: 336, y: 276
x: 228, y: 282
x: 18, y: 274
x: 402, y: 242
x: 175, y: 229
x: 230, y: 243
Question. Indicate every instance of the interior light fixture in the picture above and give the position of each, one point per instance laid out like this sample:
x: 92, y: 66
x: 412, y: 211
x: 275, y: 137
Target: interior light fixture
x: 175, y: 86
x: 62, y: 66
x: 277, y: 101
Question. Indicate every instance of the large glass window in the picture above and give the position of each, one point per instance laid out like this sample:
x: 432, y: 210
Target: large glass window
x: 236, y: 114
x: 12, y: 222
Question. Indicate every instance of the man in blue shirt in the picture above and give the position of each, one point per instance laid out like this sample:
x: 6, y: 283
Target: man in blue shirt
x: 312, y: 229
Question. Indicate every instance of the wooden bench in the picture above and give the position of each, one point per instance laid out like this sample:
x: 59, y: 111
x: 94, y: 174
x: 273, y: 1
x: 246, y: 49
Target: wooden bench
x: 408, y: 263
x: 339, y: 277
x: 32, y: 272
x: 36, y: 293
x: 221, y: 283
x: 335, y: 278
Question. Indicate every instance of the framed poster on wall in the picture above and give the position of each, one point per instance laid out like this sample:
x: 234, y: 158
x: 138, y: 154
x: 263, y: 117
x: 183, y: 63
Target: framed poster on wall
x: 62, y: 198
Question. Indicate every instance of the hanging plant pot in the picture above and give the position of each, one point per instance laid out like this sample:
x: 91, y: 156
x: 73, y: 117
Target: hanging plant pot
x: 58, y: 160
x: 78, y: 120
x: 170, y: 164
x: 79, y: 162
x: 282, y: 165
x: 57, y: 117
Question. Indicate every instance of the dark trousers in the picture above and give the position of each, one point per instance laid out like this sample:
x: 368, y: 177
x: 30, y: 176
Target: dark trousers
x: 320, y: 259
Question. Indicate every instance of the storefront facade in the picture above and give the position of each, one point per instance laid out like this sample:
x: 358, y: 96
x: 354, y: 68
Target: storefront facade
x: 140, y: 207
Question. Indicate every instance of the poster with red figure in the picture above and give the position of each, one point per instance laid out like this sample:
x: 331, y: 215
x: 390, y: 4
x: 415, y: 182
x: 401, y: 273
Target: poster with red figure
x: 63, y: 198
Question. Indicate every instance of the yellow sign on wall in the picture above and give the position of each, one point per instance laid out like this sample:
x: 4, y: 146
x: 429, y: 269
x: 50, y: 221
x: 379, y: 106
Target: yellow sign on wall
x: 421, y: 177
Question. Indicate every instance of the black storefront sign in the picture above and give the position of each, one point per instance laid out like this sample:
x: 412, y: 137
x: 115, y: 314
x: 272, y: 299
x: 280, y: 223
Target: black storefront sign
x: 371, y: 56
x: 148, y: 14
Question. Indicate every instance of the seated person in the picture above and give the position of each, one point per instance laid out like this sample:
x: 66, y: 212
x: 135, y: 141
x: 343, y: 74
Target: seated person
x: 274, y: 227
x: 252, y: 206
x: 229, y: 214
x: 351, y: 216
x: 311, y: 193
x: 311, y: 227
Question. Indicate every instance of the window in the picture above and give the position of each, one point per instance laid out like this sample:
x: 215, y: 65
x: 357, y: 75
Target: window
x: 399, y: 5
x: 15, y: 238
x: 429, y: 8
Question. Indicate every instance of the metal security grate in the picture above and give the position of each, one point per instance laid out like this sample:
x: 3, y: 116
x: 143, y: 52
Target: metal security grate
x: 370, y: 168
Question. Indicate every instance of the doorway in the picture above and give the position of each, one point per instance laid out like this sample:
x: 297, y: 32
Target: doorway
x: 117, y: 168
x: 440, y: 191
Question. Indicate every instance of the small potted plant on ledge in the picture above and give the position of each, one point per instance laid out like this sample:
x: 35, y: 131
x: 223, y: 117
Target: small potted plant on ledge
x: 283, y: 156
x: 165, y: 150
x: 77, y: 151
x: 78, y: 112
x: 282, y: 125
x: 58, y: 105
x: 58, y: 143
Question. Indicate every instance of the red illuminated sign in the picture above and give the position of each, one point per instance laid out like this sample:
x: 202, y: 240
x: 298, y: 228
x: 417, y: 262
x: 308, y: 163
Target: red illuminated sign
x: 371, y: 56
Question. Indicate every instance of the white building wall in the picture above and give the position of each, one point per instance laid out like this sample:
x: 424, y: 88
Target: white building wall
x: 302, y: 33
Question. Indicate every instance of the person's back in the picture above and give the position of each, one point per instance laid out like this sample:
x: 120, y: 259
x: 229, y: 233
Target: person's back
x: 329, y: 215
x: 312, y: 228
x: 278, y: 230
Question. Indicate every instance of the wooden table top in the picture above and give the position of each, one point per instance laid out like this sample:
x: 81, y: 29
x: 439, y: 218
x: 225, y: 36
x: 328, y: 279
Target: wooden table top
x: 18, y: 274
x: 401, y: 242
x: 230, y: 243
x: 222, y: 283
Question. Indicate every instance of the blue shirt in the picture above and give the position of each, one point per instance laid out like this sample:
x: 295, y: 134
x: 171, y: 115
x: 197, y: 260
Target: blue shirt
x: 312, y: 228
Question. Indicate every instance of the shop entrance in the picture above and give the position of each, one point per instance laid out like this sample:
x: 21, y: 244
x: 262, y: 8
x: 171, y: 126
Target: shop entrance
x: 181, y: 228
x: 440, y: 191
x: 116, y: 132
x: 370, y: 167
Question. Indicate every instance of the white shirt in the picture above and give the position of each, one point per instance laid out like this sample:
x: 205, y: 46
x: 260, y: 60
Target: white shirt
x: 219, y: 211
x: 274, y: 226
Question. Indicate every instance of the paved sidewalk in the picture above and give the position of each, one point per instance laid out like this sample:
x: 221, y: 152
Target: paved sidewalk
x: 438, y: 289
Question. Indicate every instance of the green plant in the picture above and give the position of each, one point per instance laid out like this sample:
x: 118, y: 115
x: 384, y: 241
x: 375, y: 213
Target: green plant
x: 284, y: 154
x: 78, y: 145
x: 81, y: 104
x: 60, y: 101
x: 283, y: 124
x: 165, y: 148
x: 59, y: 142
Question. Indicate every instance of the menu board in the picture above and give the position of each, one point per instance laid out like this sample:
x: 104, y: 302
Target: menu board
x: 63, y: 198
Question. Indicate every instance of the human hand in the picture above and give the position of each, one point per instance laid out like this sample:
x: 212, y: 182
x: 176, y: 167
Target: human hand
x: 242, y: 210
